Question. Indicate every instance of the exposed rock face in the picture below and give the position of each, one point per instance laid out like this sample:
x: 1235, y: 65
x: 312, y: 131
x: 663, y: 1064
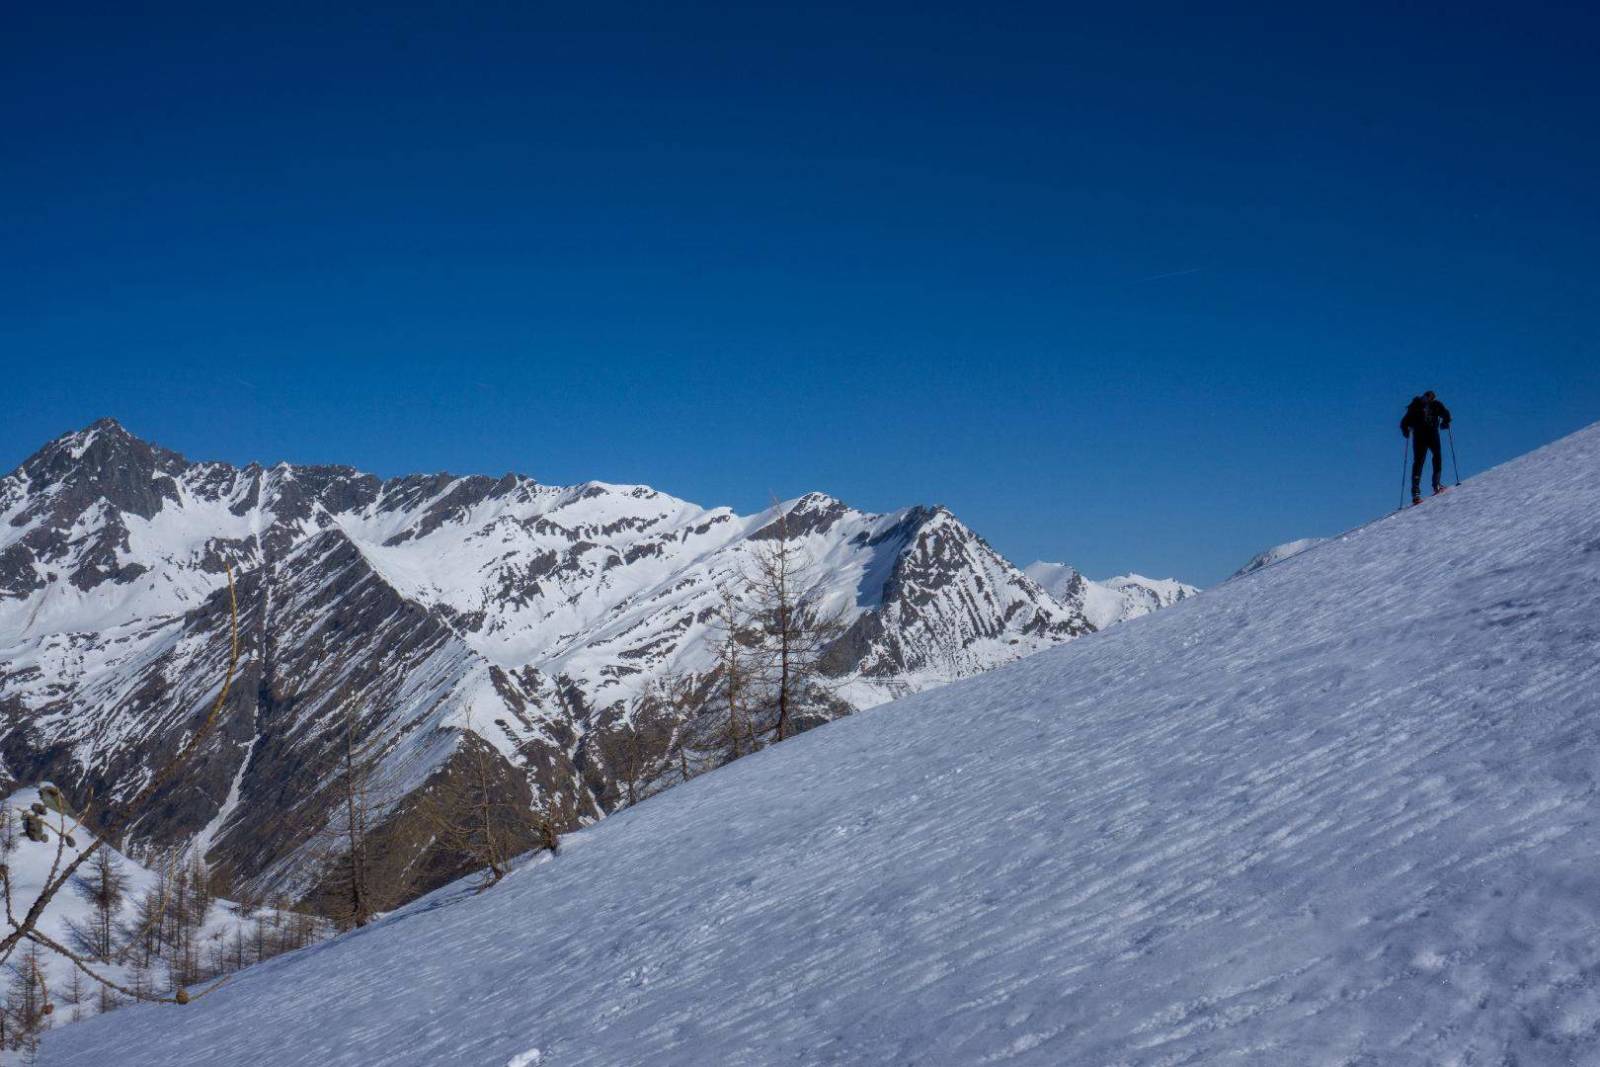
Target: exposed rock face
x: 433, y: 610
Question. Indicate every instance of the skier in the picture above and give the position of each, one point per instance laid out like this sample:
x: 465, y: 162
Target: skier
x: 1423, y: 420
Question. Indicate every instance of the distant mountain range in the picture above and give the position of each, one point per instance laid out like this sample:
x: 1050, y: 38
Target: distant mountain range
x: 1277, y: 554
x: 447, y: 615
x: 1111, y: 601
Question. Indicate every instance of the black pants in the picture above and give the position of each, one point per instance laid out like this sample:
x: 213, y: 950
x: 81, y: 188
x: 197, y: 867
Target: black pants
x: 1422, y: 444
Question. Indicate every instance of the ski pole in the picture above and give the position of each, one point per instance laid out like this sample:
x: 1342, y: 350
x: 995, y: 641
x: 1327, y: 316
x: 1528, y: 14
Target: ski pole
x: 1453, y: 465
x: 1405, y: 443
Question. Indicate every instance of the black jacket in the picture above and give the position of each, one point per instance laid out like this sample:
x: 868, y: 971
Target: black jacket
x: 1425, y: 418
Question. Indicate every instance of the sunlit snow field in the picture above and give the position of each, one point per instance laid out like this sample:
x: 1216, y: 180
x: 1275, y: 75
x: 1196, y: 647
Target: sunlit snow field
x: 1338, y: 811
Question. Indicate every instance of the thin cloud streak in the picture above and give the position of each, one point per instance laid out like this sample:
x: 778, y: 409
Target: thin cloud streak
x: 1171, y: 274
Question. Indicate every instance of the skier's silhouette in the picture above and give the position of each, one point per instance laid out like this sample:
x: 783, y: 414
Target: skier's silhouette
x: 1423, y: 420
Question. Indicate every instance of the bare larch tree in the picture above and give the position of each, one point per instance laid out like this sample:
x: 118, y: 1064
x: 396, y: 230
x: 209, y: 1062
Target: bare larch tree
x: 733, y: 640
x: 794, y: 627
x: 474, y: 809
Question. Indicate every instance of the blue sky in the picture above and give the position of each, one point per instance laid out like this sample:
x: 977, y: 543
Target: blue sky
x: 1141, y: 289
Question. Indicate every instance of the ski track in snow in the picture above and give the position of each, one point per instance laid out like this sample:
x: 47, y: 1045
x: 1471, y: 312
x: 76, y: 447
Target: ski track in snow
x: 1341, y: 811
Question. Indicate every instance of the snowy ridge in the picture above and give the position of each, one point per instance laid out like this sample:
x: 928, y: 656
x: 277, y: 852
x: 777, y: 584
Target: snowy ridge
x: 1277, y: 554
x: 535, y: 617
x: 1112, y: 601
x: 1268, y: 826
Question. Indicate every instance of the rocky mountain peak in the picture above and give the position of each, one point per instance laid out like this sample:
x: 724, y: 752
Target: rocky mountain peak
x: 812, y: 514
x: 104, y: 461
x: 538, y: 619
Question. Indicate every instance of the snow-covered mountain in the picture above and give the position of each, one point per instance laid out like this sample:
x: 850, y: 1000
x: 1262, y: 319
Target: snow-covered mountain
x: 1277, y: 554
x: 436, y: 609
x: 1109, y: 602
x: 1268, y: 826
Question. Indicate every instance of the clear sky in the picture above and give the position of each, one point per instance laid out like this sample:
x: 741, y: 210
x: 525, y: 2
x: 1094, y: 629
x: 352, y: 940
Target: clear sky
x: 1122, y: 285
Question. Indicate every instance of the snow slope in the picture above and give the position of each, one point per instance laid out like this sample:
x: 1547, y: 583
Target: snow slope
x: 1341, y: 811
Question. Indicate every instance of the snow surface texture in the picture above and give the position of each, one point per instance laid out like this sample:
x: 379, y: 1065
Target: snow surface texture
x: 1277, y: 554
x: 1111, y: 601
x: 1341, y: 811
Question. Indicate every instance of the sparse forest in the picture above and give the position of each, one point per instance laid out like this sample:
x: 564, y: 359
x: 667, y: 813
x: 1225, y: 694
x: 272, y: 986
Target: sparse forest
x: 130, y: 933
